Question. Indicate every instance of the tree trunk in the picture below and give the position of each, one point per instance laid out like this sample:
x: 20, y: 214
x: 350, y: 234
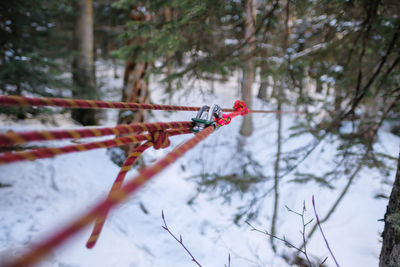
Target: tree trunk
x: 136, y: 89
x: 390, y: 253
x: 83, y: 73
x: 248, y: 71
x: 136, y: 84
x: 262, y: 91
x: 276, y: 167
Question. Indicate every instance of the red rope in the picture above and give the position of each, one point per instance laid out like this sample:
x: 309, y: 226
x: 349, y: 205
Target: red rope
x: 81, y: 103
x: 120, y: 194
x: 43, y: 248
x: 12, y: 138
x: 100, y: 220
x: 42, y: 153
x: 240, y: 109
x: 275, y: 111
x: 159, y: 140
x: 96, y: 104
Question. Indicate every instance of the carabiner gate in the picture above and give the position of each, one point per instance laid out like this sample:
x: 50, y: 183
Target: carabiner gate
x: 205, y: 117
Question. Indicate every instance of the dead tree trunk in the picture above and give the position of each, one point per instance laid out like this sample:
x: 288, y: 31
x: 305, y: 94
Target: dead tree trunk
x: 83, y: 73
x: 390, y: 253
x: 248, y: 71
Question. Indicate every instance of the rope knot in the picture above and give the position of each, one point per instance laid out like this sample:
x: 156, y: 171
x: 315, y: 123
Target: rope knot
x: 226, y: 119
x: 160, y: 139
x: 241, y: 107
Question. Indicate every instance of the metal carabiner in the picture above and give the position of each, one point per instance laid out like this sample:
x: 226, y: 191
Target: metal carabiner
x: 215, y: 112
x: 205, y: 117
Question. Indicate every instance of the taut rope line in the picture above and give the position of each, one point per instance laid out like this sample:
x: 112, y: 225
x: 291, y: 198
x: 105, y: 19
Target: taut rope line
x: 96, y: 104
x: 50, y: 152
x: 18, y: 138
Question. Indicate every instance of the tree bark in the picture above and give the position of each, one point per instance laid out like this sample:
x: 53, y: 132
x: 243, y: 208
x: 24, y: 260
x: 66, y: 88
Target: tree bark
x: 248, y: 71
x: 83, y: 73
x: 390, y: 253
x: 136, y: 84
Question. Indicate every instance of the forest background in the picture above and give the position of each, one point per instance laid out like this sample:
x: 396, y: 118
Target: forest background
x: 336, y: 62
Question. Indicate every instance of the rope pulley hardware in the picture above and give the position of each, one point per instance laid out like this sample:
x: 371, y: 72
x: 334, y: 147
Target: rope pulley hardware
x: 206, y: 117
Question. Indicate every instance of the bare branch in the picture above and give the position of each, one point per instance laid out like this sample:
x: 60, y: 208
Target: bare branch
x: 180, y: 241
x: 284, y: 240
x: 229, y: 261
x: 322, y: 232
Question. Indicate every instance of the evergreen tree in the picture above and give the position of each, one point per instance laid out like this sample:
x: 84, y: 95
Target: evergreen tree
x: 193, y: 38
x: 27, y: 53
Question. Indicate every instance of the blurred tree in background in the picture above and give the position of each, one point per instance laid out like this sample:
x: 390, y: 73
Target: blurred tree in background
x: 29, y: 49
x: 38, y: 48
x: 83, y: 72
x: 345, y: 49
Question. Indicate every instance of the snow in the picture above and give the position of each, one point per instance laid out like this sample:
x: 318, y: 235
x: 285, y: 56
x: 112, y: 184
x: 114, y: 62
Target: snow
x: 46, y: 194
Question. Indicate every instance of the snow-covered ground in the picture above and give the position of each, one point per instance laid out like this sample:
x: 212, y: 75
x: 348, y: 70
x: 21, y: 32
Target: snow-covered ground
x: 46, y: 194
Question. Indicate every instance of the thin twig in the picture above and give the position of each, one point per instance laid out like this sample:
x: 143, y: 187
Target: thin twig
x: 229, y: 261
x: 180, y: 241
x: 287, y: 243
x: 322, y: 232
x: 322, y: 263
x: 303, y: 232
